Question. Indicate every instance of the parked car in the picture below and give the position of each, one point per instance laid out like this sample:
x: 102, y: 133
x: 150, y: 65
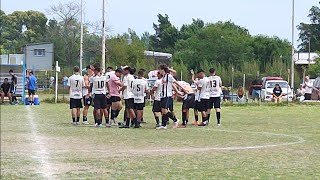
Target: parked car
x: 268, y: 86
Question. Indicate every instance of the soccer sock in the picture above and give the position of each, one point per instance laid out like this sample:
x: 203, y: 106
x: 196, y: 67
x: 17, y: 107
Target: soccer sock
x: 208, y: 117
x: 113, y: 114
x: 204, y: 119
x: 218, y: 117
x: 157, y: 119
x: 99, y: 121
x: 134, y: 121
x: 170, y: 115
x: 107, y: 120
x: 117, y: 113
x: 196, y: 117
x: 85, y: 118
x: 78, y: 119
x: 141, y: 119
x: 184, y: 118
x: 128, y: 122
x: 73, y: 119
x: 164, y: 120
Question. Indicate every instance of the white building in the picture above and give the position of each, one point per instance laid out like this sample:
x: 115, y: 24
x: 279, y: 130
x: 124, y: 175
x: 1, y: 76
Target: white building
x: 303, y: 58
x: 12, y: 59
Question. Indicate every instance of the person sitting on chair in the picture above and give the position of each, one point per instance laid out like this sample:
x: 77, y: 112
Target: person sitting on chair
x: 5, y: 88
x: 277, y: 94
x: 240, y: 95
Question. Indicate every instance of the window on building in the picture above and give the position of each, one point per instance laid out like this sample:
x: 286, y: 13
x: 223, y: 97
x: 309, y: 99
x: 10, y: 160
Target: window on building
x: 39, y: 52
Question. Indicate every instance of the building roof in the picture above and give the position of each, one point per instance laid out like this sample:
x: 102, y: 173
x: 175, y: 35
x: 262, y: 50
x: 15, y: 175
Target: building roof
x: 158, y: 54
x: 303, y: 58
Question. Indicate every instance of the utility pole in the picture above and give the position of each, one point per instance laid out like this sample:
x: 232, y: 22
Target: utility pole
x: 292, y: 44
x: 103, y: 59
x: 309, y: 56
x: 81, y: 36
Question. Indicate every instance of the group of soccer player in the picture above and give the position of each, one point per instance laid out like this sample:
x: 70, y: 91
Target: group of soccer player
x: 105, y: 91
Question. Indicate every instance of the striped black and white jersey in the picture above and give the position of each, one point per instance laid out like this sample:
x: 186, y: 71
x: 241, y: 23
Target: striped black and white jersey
x: 167, y: 83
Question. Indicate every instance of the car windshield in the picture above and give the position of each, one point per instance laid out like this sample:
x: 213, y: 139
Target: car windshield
x: 273, y: 84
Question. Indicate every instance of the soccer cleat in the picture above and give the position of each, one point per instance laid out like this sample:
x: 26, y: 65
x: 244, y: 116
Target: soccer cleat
x: 115, y: 121
x: 137, y: 126
x: 96, y: 125
x: 203, y: 124
x: 108, y: 125
x: 182, y: 126
x: 195, y: 123
x: 162, y: 127
x: 74, y: 123
x: 85, y: 123
x: 100, y: 126
x: 218, y: 125
x: 158, y: 125
x: 78, y: 123
x: 176, y: 124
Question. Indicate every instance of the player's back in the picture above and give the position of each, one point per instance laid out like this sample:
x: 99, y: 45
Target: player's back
x: 76, y: 83
x: 215, y: 82
x: 139, y: 89
x: 205, y: 88
x: 98, y: 84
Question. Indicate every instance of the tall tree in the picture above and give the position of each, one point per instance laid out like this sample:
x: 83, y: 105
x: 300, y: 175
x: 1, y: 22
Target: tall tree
x: 310, y: 32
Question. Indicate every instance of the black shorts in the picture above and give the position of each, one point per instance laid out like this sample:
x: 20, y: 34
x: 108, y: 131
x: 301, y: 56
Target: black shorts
x: 129, y: 103
x: 189, y: 102
x: 215, y: 102
x: 197, y: 105
x: 167, y: 103
x: 87, y: 101
x: 75, y: 103
x: 139, y: 106
x: 31, y: 92
x: 307, y: 96
x: 156, y: 106
x: 115, y: 99
x: 109, y: 102
x: 100, y: 101
x: 204, y: 105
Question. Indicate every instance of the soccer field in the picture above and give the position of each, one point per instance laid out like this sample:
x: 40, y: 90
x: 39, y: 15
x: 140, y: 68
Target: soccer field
x: 265, y: 142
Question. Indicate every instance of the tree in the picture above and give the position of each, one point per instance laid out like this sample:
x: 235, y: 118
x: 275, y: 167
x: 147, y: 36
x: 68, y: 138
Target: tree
x: 310, y: 32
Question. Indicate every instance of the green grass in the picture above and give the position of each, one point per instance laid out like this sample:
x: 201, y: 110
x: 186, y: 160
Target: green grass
x: 48, y: 146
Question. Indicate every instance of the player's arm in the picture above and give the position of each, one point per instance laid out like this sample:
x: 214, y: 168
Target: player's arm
x: 173, y: 72
x: 192, y: 76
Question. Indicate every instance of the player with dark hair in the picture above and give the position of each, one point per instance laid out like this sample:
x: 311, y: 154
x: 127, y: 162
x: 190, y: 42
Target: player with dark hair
x: 128, y: 97
x: 87, y: 99
x: 215, y: 100
x: 75, y: 84
x: 139, y: 88
x: 114, y: 93
x: 156, y: 96
x: 166, y: 96
x: 108, y: 75
x: 204, y: 87
x: 188, y: 102
x: 99, y: 84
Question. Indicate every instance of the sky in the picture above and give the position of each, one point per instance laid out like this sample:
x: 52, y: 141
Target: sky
x: 268, y: 17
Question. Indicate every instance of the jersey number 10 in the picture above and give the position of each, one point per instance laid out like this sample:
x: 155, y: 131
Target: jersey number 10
x: 100, y: 84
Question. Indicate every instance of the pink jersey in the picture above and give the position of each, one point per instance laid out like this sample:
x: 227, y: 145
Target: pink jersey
x: 113, y: 86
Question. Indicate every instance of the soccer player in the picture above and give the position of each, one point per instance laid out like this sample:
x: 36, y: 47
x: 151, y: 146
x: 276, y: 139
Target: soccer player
x: 31, y: 81
x: 14, y: 81
x: 204, y: 87
x: 197, y: 102
x: 166, y: 98
x: 139, y: 88
x: 99, y: 84
x: 114, y: 94
x: 108, y: 74
x: 188, y: 102
x: 215, y: 100
x: 87, y: 99
x: 128, y: 97
x: 156, y: 96
x: 75, y: 84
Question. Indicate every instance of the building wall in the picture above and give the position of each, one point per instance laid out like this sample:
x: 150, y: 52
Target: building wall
x: 14, y: 59
x: 39, y: 56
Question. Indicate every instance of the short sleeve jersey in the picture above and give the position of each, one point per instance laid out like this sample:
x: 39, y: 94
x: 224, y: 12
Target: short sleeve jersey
x: 157, y: 93
x: 215, y: 82
x: 139, y: 88
x: 76, y: 83
x: 127, y: 81
x: 205, y: 86
x: 167, y: 83
x: 113, y: 85
x: 98, y: 84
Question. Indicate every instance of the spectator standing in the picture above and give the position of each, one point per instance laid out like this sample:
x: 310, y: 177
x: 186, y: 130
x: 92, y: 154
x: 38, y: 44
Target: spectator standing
x: 32, y: 80
x: 256, y: 88
x: 308, y: 86
x: 316, y: 88
x: 14, y: 82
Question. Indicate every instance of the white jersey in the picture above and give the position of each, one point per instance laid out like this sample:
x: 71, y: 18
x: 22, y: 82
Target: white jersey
x: 308, y: 90
x: 76, y: 83
x: 157, y: 93
x: 205, y: 86
x: 167, y: 83
x: 108, y: 76
x: 98, y: 84
x: 139, y: 88
x: 127, y: 81
x: 196, y: 91
x: 215, y: 82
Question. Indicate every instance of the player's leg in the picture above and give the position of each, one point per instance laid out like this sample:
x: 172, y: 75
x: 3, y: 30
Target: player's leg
x: 29, y: 97
x: 73, y: 111
x: 86, y: 103
x: 115, y: 108
x: 139, y: 108
x: 2, y: 97
x: 32, y: 96
x: 203, y: 108
x: 78, y: 115
x: 10, y: 97
x: 156, y: 109
x: 217, y: 106
x: 164, y: 111
x: 210, y: 106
